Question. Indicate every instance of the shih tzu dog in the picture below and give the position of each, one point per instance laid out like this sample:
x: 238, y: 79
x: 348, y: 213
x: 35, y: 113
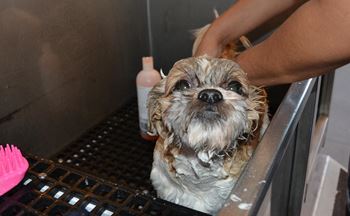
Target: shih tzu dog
x: 209, y: 120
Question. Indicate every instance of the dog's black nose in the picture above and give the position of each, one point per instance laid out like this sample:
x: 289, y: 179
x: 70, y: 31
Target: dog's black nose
x: 210, y: 96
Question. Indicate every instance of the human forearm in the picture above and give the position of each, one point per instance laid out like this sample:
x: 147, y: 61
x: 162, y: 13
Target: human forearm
x: 242, y: 17
x: 314, y: 40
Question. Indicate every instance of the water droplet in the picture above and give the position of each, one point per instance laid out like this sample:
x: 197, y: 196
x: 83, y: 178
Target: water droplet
x: 42, y: 175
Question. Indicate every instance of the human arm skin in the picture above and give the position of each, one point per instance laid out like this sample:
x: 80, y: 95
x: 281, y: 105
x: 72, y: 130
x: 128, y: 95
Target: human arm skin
x: 313, y: 41
x: 242, y: 17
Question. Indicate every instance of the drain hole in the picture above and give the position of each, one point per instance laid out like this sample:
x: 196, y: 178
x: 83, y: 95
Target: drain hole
x: 102, y: 190
x: 71, y: 179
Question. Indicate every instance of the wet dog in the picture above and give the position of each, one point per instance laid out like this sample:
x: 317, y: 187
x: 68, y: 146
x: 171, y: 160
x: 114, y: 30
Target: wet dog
x: 209, y: 120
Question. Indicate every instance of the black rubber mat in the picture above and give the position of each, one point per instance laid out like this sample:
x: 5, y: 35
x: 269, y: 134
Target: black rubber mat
x: 54, y: 189
x: 113, y: 150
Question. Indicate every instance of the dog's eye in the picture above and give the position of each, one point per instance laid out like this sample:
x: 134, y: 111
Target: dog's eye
x: 182, y: 85
x: 235, y: 86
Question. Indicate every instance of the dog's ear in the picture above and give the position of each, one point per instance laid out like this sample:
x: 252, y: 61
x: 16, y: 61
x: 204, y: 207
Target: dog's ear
x: 155, y: 123
x: 257, y: 115
x: 198, y: 34
x: 231, y: 49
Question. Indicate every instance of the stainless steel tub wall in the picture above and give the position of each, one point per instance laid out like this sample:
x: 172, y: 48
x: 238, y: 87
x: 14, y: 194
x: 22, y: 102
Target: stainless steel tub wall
x: 276, y: 173
x: 64, y: 66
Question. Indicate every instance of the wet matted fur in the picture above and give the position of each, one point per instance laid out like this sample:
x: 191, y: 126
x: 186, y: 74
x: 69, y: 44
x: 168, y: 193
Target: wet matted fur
x: 203, y: 147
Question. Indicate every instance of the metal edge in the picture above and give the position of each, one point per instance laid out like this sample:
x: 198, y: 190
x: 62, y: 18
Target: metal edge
x: 318, y: 138
x: 326, y: 93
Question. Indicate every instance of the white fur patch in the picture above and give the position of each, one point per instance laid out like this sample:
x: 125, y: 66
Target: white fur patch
x: 193, y: 185
x: 198, y: 135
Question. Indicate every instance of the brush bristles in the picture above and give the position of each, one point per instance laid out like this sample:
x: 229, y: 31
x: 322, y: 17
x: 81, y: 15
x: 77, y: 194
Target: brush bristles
x: 11, y: 160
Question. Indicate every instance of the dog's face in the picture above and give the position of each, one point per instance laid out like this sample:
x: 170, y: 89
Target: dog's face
x: 204, y: 103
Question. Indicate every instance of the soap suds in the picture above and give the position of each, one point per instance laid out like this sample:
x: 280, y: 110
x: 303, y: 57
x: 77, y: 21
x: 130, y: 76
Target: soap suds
x: 262, y: 182
x: 245, y: 206
x: 235, y: 198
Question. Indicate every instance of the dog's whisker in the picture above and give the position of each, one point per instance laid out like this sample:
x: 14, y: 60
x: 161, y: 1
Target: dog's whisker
x: 232, y: 98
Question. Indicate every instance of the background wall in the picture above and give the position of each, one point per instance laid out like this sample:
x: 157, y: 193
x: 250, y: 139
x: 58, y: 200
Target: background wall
x: 337, y: 143
x: 64, y: 65
x: 172, y: 23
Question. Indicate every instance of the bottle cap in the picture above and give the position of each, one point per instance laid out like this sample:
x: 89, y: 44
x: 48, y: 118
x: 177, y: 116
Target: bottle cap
x: 147, y: 63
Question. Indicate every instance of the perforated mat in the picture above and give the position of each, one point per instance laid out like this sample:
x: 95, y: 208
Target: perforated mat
x: 54, y: 189
x: 113, y: 150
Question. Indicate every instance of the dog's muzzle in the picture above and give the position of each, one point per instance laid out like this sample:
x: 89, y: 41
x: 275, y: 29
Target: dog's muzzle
x: 210, y: 96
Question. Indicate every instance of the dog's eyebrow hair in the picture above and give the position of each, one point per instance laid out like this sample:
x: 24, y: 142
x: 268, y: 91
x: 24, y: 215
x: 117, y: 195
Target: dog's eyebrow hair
x: 197, y: 79
x: 186, y: 71
x: 191, y: 74
x: 231, y: 68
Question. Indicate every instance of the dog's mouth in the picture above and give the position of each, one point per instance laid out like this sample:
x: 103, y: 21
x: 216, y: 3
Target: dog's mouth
x: 211, y: 109
x: 209, y: 112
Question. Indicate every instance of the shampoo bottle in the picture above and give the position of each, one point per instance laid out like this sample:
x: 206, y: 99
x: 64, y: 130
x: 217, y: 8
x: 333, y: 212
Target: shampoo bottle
x: 145, y: 81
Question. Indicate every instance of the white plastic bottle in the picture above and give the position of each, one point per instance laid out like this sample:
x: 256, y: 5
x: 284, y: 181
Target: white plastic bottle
x: 145, y: 81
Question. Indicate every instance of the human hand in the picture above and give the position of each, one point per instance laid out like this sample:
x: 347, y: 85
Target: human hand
x: 209, y: 46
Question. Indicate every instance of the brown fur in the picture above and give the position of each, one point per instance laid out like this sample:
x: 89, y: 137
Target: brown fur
x: 235, y: 160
